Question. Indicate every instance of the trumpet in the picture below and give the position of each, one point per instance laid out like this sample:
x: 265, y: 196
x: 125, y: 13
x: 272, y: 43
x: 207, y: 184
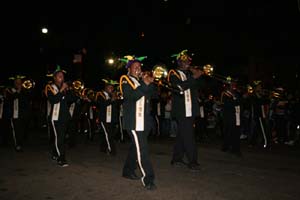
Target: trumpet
x: 28, y: 84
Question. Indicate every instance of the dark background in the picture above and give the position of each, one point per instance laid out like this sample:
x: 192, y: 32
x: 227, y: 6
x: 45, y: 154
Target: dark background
x: 246, y: 39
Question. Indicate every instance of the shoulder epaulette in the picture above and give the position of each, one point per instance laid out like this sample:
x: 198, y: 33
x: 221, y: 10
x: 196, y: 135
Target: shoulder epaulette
x: 171, y: 72
x: 126, y: 79
x: 100, y: 94
x: 49, y: 88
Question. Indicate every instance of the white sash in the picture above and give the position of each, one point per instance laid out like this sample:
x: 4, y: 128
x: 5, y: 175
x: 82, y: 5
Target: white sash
x: 16, y: 109
x: 187, y: 97
x: 158, y: 109
x: 201, y: 111
x: 121, y: 110
x: 48, y: 108
x: 91, y: 112
x: 108, y: 114
x: 71, y: 109
x: 263, y: 112
x: 56, y: 107
x: 1, y: 110
x: 237, y: 116
x: 139, y: 109
x: 108, y: 109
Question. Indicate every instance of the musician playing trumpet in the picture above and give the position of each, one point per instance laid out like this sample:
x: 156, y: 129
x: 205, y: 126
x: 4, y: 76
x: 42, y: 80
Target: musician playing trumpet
x: 59, y: 96
x: 137, y: 90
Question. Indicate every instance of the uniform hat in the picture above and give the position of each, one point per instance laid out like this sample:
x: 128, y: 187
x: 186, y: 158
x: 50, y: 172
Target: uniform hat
x: 17, y: 77
x: 132, y: 59
x: 110, y: 82
x: 182, y: 56
x: 58, y: 69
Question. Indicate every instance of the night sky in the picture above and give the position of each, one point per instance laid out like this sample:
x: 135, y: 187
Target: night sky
x: 230, y: 34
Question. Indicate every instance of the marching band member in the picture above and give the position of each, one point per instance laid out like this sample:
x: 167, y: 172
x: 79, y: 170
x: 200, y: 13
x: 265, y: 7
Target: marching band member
x: 137, y: 89
x: 59, y: 96
x: 75, y: 112
x: 232, y: 119
x: 259, y: 115
x: 3, y: 117
x: 19, y: 99
x: 89, y: 113
x: 108, y: 116
x: 185, y: 109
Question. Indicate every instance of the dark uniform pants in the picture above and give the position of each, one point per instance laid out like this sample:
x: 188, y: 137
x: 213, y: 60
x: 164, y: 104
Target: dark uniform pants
x: 4, y: 127
x: 185, y: 141
x: 72, y: 132
x: 200, y: 129
x: 18, y: 131
x: 231, y: 138
x: 107, y: 143
x: 138, y: 152
x: 260, y: 129
x: 58, y: 133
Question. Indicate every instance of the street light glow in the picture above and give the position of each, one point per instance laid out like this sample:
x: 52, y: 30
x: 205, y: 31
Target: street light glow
x: 111, y: 61
x: 44, y: 30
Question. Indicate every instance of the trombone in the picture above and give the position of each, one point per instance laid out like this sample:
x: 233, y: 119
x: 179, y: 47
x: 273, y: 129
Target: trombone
x: 160, y: 73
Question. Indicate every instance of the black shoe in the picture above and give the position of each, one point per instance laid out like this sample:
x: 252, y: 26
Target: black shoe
x: 131, y: 176
x: 194, y: 167
x: 62, y: 163
x: 179, y: 163
x: 150, y: 186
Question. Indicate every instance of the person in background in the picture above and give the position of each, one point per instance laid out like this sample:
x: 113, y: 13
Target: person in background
x: 20, y: 105
x: 232, y: 117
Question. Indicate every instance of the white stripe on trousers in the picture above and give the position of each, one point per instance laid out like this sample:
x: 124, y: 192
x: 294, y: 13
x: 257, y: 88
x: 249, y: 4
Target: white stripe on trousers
x: 121, y: 128
x: 139, y: 158
x: 263, y: 131
x: 106, y: 136
x: 13, y: 131
x: 90, y: 129
x: 158, y: 125
x: 55, y: 133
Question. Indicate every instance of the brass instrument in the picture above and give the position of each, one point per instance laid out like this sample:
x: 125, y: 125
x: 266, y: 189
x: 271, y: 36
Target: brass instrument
x: 208, y: 70
x: 160, y: 73
x: 28, y: 84
x: 89, y: 93
x: 77, y: 86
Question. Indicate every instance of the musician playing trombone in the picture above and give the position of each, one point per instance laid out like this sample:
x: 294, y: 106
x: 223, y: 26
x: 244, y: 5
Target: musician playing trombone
x: 186, y: 109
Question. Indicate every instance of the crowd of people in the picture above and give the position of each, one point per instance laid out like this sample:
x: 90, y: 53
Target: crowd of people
x: 137, y: 107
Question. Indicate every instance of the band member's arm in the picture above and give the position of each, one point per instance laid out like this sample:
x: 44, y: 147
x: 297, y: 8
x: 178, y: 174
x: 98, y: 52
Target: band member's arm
x: 71, y: 97
x: 137, y: 93
x: 103, y: 102
x: 188, y: 84
x: 54, y: 98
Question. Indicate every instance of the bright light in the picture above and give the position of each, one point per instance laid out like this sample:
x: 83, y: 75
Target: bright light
x: 111, y: 61
x: 44, y: 30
